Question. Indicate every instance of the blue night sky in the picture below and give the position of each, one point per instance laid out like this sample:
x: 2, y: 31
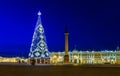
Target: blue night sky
x: 92, y: 24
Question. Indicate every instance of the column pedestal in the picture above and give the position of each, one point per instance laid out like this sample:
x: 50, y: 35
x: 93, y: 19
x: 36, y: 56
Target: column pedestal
x: 66, y: 59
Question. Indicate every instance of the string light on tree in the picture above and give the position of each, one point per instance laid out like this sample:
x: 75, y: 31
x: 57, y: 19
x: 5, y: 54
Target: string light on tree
x: 39, y: 47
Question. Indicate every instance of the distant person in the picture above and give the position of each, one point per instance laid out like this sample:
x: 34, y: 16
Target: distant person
x: 19, y: 61
x: 32, y: 61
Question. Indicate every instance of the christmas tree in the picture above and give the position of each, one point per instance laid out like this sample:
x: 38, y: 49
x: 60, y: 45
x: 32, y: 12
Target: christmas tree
x: 39, y: 47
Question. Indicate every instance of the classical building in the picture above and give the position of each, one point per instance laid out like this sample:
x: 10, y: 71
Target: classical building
x: 87, y: 57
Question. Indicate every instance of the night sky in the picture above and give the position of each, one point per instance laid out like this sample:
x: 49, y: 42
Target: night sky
x: 92, y: 24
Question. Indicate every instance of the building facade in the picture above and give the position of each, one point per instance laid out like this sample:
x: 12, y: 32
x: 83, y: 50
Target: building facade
x: 75, y: 57
x: 87, y: 57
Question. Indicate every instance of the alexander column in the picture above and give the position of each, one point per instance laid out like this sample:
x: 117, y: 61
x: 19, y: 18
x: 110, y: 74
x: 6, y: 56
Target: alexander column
x: 66, y: 57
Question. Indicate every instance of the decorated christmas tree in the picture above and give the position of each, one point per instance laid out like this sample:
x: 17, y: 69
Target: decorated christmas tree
x: 39, y: 47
